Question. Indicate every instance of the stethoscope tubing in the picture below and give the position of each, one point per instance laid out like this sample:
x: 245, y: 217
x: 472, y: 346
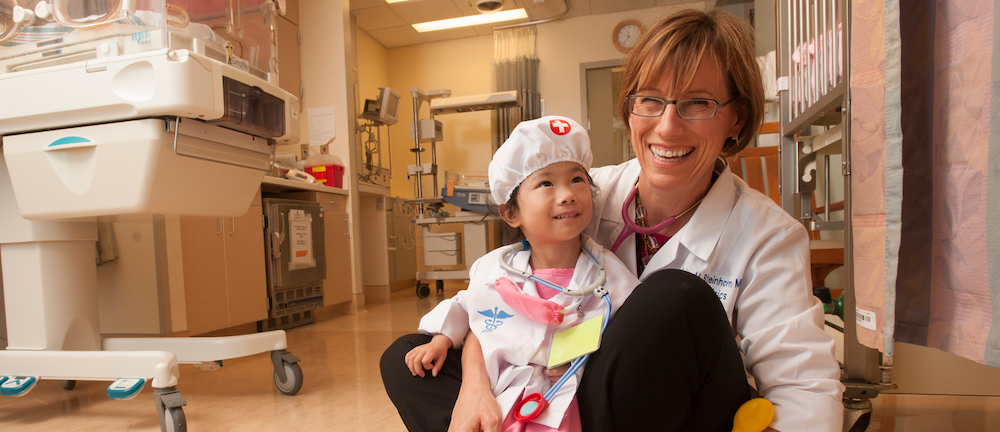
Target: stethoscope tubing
x: 633, y: 228
x: 602, y: 276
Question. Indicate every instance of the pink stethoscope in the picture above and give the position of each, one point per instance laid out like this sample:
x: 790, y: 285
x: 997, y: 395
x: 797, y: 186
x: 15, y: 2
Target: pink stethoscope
x: 633, y: 228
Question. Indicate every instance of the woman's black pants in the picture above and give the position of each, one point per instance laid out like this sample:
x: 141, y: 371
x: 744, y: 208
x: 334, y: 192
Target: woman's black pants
x: 668, y: 362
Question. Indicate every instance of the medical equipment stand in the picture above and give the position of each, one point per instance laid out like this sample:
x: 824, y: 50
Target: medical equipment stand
x: 53, y: 322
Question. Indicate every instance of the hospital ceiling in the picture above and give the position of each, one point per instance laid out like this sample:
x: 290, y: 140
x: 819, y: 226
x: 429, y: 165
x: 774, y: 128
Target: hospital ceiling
x: 390, y: 23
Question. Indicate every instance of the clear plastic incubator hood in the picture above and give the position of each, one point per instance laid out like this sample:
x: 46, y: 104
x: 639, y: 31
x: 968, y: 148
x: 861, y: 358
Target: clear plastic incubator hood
x: 114, y: 107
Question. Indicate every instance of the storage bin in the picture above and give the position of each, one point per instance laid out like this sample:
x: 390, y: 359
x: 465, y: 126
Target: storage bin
x: 330, y: 175
x: 135, y: 167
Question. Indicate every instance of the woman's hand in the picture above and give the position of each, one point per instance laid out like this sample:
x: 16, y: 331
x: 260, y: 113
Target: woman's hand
x: 430, y: 355
x: 557, y: 372
x: 476, y: 409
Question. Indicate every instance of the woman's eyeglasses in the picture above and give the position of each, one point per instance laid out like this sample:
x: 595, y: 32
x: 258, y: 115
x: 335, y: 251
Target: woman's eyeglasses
x: 689, y: 109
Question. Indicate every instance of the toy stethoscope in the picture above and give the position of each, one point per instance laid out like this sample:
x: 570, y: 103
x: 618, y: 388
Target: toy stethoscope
x: 532, y: 405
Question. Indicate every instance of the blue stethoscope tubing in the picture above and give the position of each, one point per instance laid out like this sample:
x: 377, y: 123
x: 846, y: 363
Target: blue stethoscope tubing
x: 530, y: 403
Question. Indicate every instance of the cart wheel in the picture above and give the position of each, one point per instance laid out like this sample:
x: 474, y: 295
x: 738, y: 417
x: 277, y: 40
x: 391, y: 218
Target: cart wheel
x: 423, y: 290
x: 293, y: 379
x: 173, y: 420
x: 862, y: 424
x: 440, y: 286
x: 68, y: 384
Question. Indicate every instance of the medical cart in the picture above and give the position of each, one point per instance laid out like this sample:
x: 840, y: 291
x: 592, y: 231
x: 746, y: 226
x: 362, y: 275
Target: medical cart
x: 449, y: 249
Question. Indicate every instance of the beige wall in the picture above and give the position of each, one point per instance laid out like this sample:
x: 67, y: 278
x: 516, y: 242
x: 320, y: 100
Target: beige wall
x: 325, y: 44
x: 462, y: 66
x: 373, y: 66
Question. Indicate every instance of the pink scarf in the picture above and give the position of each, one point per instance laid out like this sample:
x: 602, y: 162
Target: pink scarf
x: 536, y: 309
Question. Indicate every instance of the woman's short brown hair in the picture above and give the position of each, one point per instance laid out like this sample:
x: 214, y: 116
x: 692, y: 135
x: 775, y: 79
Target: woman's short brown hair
x: 681, y: 41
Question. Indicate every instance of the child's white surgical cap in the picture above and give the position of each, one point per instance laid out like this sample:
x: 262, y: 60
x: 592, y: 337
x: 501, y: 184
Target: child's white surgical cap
x: 533, y: 145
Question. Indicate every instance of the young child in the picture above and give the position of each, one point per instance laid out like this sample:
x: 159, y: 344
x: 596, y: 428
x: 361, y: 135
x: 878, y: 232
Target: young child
x: 539, y: 177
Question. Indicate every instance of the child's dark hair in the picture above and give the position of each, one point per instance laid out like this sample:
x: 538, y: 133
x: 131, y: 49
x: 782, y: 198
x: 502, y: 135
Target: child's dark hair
x: 509, y: 234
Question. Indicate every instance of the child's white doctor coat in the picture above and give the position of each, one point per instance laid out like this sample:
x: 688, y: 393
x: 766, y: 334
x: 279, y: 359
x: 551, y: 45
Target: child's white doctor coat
x: 516, y: 348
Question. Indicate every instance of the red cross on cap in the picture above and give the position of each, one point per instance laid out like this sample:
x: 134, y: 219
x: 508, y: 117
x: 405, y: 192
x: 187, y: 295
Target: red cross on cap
x: 559, y: 127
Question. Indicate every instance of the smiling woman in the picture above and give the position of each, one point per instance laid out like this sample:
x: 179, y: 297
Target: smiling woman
x: 692, y: 94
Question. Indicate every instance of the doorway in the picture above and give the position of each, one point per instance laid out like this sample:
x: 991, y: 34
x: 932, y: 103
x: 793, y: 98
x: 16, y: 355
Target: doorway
x: 608, y: 136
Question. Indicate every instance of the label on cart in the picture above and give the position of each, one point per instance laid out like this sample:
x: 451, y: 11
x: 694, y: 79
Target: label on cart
x: 301, y: 244
x: 865, y: 318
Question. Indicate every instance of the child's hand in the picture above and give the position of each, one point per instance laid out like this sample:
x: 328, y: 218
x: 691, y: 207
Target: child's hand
x: 428, y: 356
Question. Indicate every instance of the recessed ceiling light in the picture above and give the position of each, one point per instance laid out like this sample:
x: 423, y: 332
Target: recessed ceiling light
x: 471, y: 20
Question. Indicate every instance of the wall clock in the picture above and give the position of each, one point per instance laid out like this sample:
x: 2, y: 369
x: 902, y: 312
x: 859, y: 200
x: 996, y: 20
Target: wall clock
x: 626, y: 34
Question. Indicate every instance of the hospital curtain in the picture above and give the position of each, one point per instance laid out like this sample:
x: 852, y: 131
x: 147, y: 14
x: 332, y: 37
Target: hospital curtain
x: 925, y: 171
x: 515, y: 67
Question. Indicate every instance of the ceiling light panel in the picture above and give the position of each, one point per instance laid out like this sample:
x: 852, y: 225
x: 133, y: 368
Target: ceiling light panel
x: 471, y: 20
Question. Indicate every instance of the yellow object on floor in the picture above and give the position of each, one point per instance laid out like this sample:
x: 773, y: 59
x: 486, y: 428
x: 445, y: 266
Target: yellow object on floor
x: 753, y: 416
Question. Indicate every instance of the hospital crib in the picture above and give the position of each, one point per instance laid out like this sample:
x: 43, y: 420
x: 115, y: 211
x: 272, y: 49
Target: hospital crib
x: 126, y: 108
x: 814, y: 85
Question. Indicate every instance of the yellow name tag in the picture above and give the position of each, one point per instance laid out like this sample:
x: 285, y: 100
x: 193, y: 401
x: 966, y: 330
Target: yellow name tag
x: 576, y: 341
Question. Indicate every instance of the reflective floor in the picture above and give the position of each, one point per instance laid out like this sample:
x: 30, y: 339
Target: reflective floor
x: 342, y: 389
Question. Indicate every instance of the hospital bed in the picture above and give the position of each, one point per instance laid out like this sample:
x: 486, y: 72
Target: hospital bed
x: 119, y: 109
x: 814, y: 85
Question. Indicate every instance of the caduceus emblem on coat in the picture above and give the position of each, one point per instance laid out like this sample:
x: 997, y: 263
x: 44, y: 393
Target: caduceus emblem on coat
x: 495, y: 318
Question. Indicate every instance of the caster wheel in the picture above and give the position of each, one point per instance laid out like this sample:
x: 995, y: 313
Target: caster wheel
x: 68, y: 384
x: 440, y: 286
x: 293, y: 379
x: 862, y: 424
x: 423, y: 290
x: 174, y: 420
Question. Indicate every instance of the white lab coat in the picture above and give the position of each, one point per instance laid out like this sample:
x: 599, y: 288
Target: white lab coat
x: 516, y: 348
x: 756, y: 258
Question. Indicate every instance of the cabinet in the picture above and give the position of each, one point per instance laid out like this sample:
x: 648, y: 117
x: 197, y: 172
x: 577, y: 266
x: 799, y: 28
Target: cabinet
x: 141, y: 291
x: 224, y: 275
x: 336, y: 225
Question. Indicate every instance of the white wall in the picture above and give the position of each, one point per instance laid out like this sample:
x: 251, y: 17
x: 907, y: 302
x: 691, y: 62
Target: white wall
x: 327, y: 63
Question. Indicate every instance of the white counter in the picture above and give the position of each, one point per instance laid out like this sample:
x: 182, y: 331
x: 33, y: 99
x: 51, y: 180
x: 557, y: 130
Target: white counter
x: 277, y: 184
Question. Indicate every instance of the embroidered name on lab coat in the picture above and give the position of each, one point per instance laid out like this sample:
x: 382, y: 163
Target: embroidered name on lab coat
x: 722, y: 286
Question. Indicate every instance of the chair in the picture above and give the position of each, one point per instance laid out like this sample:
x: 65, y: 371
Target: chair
x: 758, y: 167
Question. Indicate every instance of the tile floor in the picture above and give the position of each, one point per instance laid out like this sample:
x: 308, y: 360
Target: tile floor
x: 343, y: 391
